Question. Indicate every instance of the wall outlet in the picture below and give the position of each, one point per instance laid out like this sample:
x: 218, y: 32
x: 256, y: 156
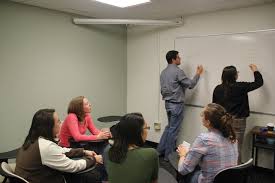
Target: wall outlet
x: 157, y: 126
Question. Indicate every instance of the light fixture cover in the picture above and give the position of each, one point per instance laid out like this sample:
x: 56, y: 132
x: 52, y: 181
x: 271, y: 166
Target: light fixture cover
x: 90, y: 21
x: 124, y: 3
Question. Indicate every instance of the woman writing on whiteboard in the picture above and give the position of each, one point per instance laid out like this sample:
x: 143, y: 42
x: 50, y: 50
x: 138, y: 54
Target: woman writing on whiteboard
x: 232, y: 95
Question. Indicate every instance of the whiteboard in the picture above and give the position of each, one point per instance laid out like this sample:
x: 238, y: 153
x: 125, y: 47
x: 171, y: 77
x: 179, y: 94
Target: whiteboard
x: 215, y: 52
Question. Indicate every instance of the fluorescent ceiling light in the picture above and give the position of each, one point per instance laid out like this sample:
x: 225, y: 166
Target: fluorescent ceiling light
x: 88, y: 21
x: 124, y: 3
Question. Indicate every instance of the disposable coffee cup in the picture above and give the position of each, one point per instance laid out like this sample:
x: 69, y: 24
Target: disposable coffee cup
x: 186, y: 144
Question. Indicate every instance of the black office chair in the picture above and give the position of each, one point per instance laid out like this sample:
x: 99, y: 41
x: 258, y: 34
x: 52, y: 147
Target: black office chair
x: 236, y: 174
x: 7, y: 172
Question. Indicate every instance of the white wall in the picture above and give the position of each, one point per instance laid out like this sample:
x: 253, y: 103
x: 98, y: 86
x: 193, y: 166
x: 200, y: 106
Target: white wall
x: 46, y: 60
x: 146, y: 49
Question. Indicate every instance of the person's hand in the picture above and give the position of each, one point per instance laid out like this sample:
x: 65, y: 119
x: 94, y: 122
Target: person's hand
x: 253, y: 67
x: 107, y: 130
x: 89, y: 153
x: 199, y: 70
x: 110, y: 135
x: 103, y: 135
x: 99, y: 159
x: 182, y: 150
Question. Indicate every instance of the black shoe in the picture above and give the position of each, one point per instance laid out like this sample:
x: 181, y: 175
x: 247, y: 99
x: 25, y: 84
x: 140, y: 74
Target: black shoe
x: 160, y: 154
x: 166, y: 159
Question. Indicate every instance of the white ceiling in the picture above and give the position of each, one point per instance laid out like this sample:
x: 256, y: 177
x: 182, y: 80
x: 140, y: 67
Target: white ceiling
x: 157, y: 9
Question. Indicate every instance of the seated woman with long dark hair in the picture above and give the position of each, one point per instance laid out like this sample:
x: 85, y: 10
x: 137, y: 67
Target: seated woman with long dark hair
x: 41, y: 160
x: 127, y: 161
x: 212, y: 151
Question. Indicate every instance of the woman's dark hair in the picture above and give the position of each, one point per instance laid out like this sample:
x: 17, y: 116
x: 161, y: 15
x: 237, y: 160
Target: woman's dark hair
x: 76, y: 107
x: 220, y: 120
x: 171, y: 55
x: 128, y: 131
x: 228, y: 78
x: 42, y: 126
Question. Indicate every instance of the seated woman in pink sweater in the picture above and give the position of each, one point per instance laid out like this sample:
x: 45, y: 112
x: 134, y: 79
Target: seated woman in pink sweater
x: 78, y: 121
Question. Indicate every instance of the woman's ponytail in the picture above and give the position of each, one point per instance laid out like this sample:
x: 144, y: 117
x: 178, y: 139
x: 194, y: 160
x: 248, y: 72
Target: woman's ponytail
x: 226, y: 127
x: 220, y: 120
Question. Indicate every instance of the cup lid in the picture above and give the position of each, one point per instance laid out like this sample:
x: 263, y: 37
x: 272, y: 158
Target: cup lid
x: 270, y: 124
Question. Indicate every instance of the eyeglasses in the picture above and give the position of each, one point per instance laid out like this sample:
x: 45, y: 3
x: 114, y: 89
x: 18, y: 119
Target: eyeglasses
x: 147, y: 128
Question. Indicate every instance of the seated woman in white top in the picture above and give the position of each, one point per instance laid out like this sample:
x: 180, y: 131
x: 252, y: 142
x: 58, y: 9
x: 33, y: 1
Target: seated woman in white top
x: 41, y: 160
x: 212, y: 151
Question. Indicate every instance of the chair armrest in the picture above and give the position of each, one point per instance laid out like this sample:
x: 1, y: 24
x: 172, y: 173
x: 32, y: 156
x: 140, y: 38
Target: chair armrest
x: 5, y: 156
x: 85, y: 144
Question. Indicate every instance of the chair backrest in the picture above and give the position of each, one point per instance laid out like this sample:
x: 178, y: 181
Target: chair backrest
x: 8, y: 172
x: 236, y: 174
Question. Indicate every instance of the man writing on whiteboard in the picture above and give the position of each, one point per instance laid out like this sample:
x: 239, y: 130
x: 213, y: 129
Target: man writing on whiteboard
x: 174, y: 82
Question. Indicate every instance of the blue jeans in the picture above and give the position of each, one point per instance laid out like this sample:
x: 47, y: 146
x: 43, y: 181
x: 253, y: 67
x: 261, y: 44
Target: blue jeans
x: 168, y: 139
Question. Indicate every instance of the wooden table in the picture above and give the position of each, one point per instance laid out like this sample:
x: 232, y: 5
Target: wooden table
x: 259, y: 136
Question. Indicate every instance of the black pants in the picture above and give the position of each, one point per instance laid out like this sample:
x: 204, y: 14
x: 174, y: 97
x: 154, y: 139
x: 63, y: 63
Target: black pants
x: 97, y: 147
x: 96, y: 175
x: 187, y: 178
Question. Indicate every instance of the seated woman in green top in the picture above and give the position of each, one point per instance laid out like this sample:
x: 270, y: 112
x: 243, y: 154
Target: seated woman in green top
x: 127, y: 161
